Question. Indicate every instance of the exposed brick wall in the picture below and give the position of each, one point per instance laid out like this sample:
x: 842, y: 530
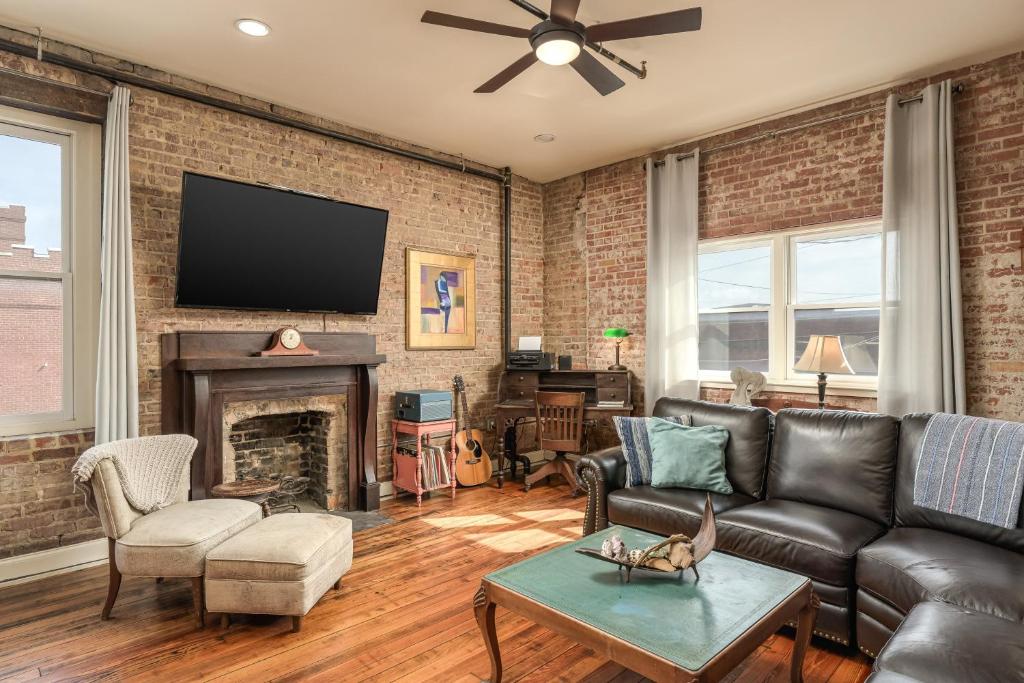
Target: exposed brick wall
x: 39, y: 508
x: 430, y: 208
x: 565, y: 287
x: 823, y: 174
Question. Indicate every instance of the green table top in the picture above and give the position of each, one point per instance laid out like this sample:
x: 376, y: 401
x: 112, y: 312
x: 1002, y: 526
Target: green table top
x: 686, y: 622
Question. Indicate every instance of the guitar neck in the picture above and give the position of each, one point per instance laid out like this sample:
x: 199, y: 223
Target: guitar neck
x: 465, y: 410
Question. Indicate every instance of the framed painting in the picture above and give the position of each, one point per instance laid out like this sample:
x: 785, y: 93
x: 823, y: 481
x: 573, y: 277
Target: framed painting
x: 440, y: 294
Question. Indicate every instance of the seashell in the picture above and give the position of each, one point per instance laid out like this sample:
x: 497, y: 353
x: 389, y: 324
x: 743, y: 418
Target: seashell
x: 634, y: 555
x: 614, y: 548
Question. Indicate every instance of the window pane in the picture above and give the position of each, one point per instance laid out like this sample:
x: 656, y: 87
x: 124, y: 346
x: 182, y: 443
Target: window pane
x: 737, y: 278
x: 833, y: 270
x: 729, y: 340
x: 30, y: 205
x: 857, y: 329
x: 31, y: 346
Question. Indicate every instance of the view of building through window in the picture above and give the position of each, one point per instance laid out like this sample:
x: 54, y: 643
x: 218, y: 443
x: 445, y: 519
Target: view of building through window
x: 828, y: 283
x: 32, y: 267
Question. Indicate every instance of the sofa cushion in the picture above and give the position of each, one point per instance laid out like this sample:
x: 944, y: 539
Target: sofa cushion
x: 285, y: 547
x: 667, y: 511
x: 835, y: 458
x: 815, y: 541
x: 688, y: 457
x: 174, y: 541
x: 749, y: 434
x: 908, y: 566
x: 907, y: 514
x: 635, y: 441
x: 942, y: 643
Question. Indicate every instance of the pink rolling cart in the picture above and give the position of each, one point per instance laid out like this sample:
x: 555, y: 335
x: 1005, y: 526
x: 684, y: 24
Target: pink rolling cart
x: 408, y: 469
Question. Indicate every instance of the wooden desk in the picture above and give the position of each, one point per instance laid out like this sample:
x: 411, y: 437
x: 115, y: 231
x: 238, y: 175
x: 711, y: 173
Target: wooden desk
x: 517, y: 388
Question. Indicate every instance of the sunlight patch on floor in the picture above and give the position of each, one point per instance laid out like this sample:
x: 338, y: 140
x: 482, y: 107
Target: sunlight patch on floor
x: 463, y: 521
x: 518, y: 541
x: 552, y: 515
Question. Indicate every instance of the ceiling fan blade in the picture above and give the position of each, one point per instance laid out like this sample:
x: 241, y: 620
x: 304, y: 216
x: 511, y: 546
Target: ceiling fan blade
x: 654, y: 25
x: 564, y: 11
x: 452, y: 21
x: 596, y: 73
x: 508, y: 73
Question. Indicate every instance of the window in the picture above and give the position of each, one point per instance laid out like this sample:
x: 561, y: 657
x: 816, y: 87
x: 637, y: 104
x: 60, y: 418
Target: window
x: 762, y: 297
x: 49, y: 257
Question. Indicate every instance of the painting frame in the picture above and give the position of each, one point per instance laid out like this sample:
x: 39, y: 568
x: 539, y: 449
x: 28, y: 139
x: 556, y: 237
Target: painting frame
x: 450, y: 304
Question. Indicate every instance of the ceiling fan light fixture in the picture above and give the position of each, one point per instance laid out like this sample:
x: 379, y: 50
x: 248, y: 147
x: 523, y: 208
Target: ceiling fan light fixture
x: 252, y: 27
x: 556, y: 44
x: 557, y: 51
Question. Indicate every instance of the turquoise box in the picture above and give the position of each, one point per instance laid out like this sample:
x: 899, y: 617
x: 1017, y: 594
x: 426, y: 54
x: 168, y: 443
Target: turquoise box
x: 423, y: 405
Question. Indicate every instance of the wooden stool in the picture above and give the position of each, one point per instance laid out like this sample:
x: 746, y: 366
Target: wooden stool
x: 255, y: 490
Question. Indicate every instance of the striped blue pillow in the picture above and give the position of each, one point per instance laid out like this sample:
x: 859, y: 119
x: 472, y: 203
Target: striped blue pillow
x: 636, y: 446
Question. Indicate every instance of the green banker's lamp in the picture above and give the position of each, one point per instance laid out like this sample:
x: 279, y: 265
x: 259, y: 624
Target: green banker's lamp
x: 618, y: 334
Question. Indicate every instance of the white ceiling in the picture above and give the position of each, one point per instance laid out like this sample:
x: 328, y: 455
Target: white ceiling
x: 373, y: 65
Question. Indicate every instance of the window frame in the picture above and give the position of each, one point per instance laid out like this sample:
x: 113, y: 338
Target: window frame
x: 81, y: 174
x: 783, y: 307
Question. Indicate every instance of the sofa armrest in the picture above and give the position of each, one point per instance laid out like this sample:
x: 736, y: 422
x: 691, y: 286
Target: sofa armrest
x: 601, y: 472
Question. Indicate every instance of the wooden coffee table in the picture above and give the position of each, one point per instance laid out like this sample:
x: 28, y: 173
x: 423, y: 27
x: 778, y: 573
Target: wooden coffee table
x: 664, y: 627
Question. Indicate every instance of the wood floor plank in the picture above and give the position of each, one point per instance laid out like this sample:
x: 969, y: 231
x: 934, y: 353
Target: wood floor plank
x: 404, y: 614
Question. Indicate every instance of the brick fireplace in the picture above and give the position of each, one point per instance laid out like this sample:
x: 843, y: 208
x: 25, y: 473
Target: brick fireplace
x: 298, y: 437
x: 214, y: 385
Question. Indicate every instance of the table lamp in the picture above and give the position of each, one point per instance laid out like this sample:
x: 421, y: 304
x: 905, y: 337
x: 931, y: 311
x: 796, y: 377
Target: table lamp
x: 618, y: 334
x: 823, y: 355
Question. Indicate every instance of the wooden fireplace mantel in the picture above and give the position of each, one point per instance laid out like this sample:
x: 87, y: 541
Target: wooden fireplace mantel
x: 201, y: 371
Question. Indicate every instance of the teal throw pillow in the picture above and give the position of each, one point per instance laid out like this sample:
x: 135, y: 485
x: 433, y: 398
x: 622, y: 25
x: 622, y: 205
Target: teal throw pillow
x: 688, y: 457
x: 636, y: 448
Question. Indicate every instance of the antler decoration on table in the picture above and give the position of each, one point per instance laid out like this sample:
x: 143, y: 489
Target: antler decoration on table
x: 676, y: 553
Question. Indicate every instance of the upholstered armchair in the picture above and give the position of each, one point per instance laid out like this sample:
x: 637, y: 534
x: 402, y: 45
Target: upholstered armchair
x: 171, y: 542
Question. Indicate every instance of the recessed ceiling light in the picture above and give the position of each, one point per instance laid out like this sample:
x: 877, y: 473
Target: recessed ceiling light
x: 252, y: 27
x: 544, y: 137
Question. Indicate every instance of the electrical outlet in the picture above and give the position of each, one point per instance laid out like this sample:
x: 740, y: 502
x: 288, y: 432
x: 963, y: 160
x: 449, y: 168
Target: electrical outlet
x: 490, y: 424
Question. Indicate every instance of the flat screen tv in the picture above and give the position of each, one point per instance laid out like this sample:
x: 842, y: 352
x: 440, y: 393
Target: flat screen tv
x: 252, y: 247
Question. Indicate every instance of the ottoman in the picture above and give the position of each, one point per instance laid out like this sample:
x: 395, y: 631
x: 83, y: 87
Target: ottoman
x: 280, y: 565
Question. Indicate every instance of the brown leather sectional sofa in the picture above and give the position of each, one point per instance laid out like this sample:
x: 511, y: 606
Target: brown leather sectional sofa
x: 829, y: 494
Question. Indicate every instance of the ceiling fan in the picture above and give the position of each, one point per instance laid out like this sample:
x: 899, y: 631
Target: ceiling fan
x: 559, y: 39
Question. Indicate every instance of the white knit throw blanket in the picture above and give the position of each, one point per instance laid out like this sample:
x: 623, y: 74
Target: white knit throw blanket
x: 150, y: 469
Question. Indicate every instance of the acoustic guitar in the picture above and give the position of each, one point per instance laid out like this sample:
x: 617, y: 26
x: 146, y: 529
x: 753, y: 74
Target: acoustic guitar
x: 472, y: 463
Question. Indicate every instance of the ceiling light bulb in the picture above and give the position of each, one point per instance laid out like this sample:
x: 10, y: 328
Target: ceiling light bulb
x: 558, y: 51
x: 252, y: 27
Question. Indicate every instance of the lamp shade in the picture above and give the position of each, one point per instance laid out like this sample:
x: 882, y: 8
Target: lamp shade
x: 616, y: 333
x: 824, y: 353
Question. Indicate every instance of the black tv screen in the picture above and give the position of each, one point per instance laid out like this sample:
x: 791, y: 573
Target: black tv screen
x: 251, y: 247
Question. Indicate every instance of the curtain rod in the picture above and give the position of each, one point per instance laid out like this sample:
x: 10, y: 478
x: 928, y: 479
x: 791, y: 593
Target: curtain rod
x: 958, y: 88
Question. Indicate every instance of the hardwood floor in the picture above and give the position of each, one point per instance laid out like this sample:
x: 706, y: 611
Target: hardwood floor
x: 404, y: 614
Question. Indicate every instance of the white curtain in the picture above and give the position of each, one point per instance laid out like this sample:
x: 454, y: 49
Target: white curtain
x: 117, y: 374
x: 921, y: 350
x: 671, y: 338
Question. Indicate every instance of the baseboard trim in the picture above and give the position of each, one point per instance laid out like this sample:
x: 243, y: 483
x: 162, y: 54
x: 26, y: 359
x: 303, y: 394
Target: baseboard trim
x: 34, y: 566
x: 386, y: 489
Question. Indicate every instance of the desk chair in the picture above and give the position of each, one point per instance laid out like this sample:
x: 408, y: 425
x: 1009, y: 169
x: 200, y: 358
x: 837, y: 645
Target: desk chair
x: 559, y: 429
